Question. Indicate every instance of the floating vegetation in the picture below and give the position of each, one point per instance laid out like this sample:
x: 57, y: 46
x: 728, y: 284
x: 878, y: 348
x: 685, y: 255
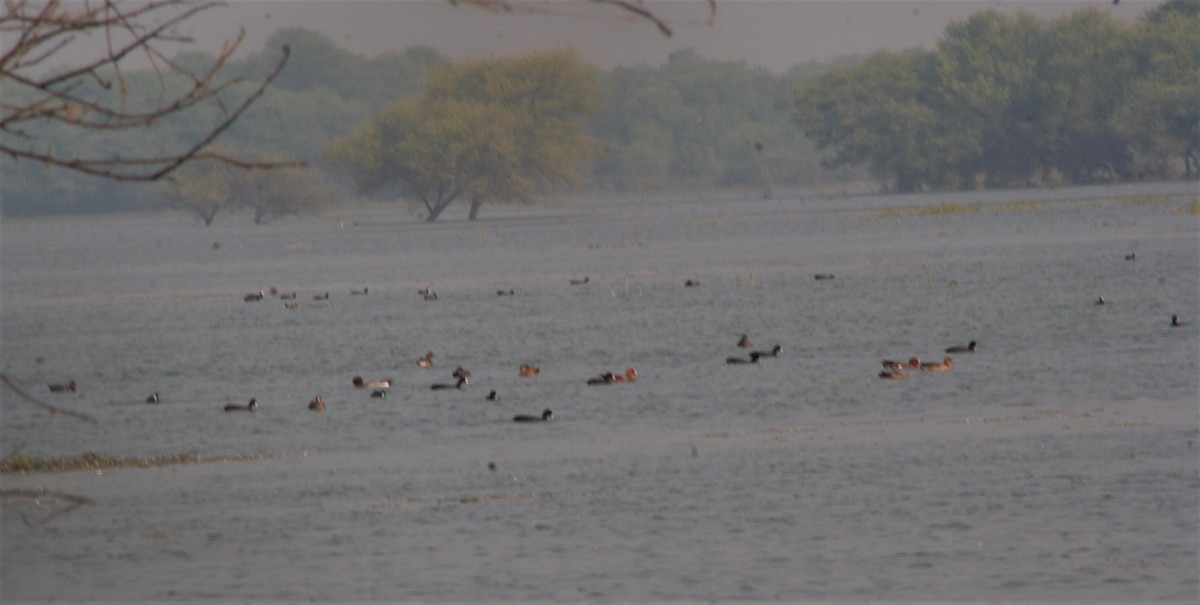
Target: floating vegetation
x: 95, y: 461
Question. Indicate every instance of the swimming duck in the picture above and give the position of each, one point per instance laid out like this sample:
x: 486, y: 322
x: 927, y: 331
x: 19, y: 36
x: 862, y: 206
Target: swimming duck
x: 459, y: 372
x: 740, y: 360
x: 62, y: 388
x: 505, y: 292
x: 441, y: 385
x: 970, y: 348
x: 580, y: 282
x: 152, y: 398
x: 527, y: 370
x: 630, y: 375
x: 772, y: 353
x: 492, y: 396
x: 821, y: 276
x: 317, y: 404
x: 691, y: 283
x: 430, y: 295
x: 286, y: 296
x: 382, y: 383
x: 933, y: 366
x: 912, y: 363
x: 254, y: 297
x: 1130, y: 256
x: 362, y: 292
x: 604, y: 378
x: 324, y: 296
x: 744, y: 342
x: 545, y: 417
x: 1100, y: 301
x: 894, y: 374
x: 379, y: 394
x: 426, y: 361
x: 249, y: 407
x: 1175, y: 321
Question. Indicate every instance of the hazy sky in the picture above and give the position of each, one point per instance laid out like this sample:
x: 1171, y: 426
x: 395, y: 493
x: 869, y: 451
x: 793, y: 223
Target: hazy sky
x: 769, y: 33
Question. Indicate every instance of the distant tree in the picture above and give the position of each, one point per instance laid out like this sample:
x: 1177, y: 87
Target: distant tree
x: 634, y: 7
x: 47, y: 106
x: 487, y: 131
x: 207, y: 188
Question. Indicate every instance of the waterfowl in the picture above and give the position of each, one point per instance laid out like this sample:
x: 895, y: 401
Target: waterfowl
x: 1130, y: 256
x: 459, y: 372
x: 430, y: 295
x: 504, y: 292
x: 441, y: 385
x: 744, y: 342
x: 970, y: 348
x: 913, y: 362
x: 249, y: 407
x: 324, y: 296
x: 630, y: 375
x: 379, y: 394
x: 362, y: 292
x: 426, y: 361
x: 286, y: 296
x: 740, y: 360
x: 382, y: 383
x: 317, y: 404
x: 152, y: 398
x: 933, y: 366
x: 894, y: 374
x: 580, y: 282
x: 604, y: 378
x: 62, y: 388
x: 545, y: 417
x: 1100, y: 301
x: 291, y: 305
x: 1175, y: 321
x: 691, y: 283
x: 254, y: 297
x: 527, y: 370
x: 772, y: 353
x: 492, y: 396
x: 821, y: 276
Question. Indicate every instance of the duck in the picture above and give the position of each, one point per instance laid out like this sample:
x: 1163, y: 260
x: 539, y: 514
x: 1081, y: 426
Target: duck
x: 505, y: 292
x: 630, y: 375
x: 430, y: 295
x: 527, y: 370
x: 62, y: 388
x: 287, y: 296
x: 317, y: 404
x: 970, y: 348
x: 740, y: 360
x: 1175, y: 321
x: 691, y: 283
x: 249, y: 407
x: 744, y: 342
x: 324, y: 296
x: 913, y: 362
x: 426, y: 361
x: 379, y: 394
x: 894, y: 374
x: 1130, y: 256
x: 580, y: 282
x: 382, y: 383
x: 822, y: 276
x: 153, y: 398
x: 545, y: 417
x: 605, y: 378
x: 492, y: 396
x: 362, y: 292
x: 1100, y: 301
x: 933, y: 366
x: 441, y: 385
x: 459, y: 372
x: 252, y: 297
x: 772, y: 353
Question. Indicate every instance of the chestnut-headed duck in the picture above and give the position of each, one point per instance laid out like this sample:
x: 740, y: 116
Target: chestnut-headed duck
x: 1175, y: 321
x: 527, y: 370
x: 249, y: 407
x: 492, y: 396
x: 382, y: 383
x: 362, y: 292
x: 153, y: 398
x: 933, y: 366
x: 379, y: 394
x: 740, y: 360
x: 912, y: 363
x: 317, y: 404
x: 580, y: 282
x: 772, y: 353
x: 630, y: 375
x: 254, y: 297
x: 426, y: 361
x: 459, y: 372
x: 441, y: 385
x: 744, y: 342
x: 970, y: 348
x: 62, y: 388
x: 545, y: 417
x: 893, y: 374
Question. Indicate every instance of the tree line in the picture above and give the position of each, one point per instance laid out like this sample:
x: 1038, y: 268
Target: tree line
x: 1001, y: 101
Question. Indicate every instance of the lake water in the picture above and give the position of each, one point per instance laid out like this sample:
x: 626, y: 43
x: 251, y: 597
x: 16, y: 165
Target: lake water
x: 1059, y: 462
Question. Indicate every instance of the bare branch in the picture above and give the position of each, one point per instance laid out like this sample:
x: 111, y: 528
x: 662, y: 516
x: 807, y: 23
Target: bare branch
x: 73, y: 502
x: 20, y: 391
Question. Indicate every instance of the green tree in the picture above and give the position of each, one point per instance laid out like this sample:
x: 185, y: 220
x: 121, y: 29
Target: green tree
x: 207, y: 188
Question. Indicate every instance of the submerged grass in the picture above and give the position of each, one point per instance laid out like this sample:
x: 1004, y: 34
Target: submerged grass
x: 95, y: 461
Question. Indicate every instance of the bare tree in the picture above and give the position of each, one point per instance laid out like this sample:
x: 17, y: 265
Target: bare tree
x: 91, y: 96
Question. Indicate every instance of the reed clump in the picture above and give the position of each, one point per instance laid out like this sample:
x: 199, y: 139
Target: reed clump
x: 95, y: 461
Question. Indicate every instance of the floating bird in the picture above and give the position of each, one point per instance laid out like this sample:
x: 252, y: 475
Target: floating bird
x: 379, y: 394
x: 492, y: 396
x: 62, y: 388
x: 933, y: 366
x: 1130, y: 256
x: 254, y: 297
x: 317, y: 404
x: 772, y: 353
x: 324, y: 296
x: 630, y: 375
x: 291, y: 305
x: 430, y: 295
x: 249, y: 407
x: 152, y: 398
x: 740, y: 360
x: 1175, y: 321
x: 744, y: 342
x: 893, y: 374
x: 1100, y: 301
x: 362, y: 292
x: 822, y: 276
x: 970, y: 348
x: 691, y: 283
x: 382, y: 383
x: 441, y: 385
x: 604, y: 378
x: 580, y: 282
x: 545, y: 417
x: 459, y: 372
x: 504, y: 293
x: 426, y: 361
x: 527, y: 370
x: 912, y: 363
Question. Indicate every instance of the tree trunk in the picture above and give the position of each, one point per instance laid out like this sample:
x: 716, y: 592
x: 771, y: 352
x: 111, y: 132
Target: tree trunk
x: 475, y: 204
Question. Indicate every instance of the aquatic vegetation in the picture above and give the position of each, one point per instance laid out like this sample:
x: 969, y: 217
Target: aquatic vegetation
x: 96, y: 461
